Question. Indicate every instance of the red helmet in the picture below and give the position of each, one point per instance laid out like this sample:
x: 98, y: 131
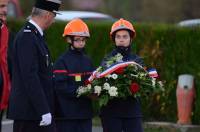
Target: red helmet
x: 76, y: 27
x: 122, y: 24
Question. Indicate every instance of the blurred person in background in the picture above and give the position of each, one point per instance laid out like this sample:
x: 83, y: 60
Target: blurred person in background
x: 5, y: 42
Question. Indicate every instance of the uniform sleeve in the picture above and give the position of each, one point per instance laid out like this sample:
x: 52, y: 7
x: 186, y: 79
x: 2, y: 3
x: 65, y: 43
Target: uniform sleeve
x: 140, y: 61
x: 92, y: 67
x: 28, y: 62
x: 103, y: 62
x: 63, y: 86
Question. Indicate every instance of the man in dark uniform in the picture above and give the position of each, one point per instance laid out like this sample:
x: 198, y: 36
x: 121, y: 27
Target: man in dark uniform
x: 31, y: 99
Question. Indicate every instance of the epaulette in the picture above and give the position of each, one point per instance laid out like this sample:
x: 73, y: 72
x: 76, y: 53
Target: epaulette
x: 27, y: 29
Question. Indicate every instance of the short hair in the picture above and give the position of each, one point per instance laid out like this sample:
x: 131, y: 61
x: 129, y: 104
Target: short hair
x: 37, y: 12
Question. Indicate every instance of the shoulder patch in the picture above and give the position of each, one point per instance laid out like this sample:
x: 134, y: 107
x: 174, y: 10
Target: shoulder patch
x: 27, y: 30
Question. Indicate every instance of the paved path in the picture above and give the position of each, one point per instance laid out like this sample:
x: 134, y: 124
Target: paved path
x: 8, y: 125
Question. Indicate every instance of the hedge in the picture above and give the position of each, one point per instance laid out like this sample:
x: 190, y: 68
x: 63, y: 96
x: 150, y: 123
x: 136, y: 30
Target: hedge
x: 171, y: 50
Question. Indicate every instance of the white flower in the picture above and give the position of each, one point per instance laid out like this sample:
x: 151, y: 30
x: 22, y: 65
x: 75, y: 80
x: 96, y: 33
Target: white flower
x: 142, y: 75
x: 114, y: 76
x: 113, y: 91
x: 161, y: 85
x: 97, y: 90
x: 81, y: 90
x: 153, y: 82
x: 133, y: 75
x: 119, y: 57
x: 89, y: 86
x: 106, y: 86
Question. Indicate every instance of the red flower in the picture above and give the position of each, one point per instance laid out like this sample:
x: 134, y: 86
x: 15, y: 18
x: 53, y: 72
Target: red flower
x: 87, y: 82
x: 120, y: 70
x: 134, y: 88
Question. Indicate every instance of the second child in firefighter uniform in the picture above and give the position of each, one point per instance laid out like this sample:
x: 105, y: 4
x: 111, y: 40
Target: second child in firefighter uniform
x: 122, y: 115
x: 72, y: 69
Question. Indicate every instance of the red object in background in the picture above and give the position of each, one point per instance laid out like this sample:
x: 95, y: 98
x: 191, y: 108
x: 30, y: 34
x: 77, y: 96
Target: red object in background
x: 119, y: 71
x: 134, y: 88
x: 185, y: 94
x: 4, y: 37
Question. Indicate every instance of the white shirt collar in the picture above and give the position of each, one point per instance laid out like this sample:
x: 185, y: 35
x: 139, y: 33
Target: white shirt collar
x: 36, y: 25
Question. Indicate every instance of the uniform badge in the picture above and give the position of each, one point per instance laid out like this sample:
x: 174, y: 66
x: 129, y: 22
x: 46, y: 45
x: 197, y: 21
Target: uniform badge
x: 27, y: 31
x: 78, y: 78
x: 47, y: 60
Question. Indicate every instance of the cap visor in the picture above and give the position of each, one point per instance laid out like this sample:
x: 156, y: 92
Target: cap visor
x: 57, y: 12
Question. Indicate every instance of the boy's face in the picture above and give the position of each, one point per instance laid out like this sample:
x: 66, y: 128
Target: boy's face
x: 122, y: 38
x: 79, y: 42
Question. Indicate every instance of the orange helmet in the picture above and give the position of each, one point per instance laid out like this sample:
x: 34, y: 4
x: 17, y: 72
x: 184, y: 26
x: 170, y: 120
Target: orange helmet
x: 76, y: 27
x: 122, y: 24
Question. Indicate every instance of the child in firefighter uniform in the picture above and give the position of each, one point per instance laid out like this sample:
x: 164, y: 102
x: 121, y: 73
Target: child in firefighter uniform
x: 71, y: 71
x: 122, y: 114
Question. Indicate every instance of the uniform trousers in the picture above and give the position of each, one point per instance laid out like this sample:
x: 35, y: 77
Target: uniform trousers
x: 74, y: 125
x: 32, y: 126
x: 117, y: 124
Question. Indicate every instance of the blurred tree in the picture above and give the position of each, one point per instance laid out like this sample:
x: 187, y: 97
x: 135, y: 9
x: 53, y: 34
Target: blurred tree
x: 26, y: 6
x: 190, y: 9
x: 169, y: 11
x: 144, y: 10
x: 66, y: 4
x: 129, y: 9
x: 161, y: 11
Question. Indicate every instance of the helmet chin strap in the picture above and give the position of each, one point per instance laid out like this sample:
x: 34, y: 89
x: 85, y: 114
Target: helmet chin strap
x: 124, y: 50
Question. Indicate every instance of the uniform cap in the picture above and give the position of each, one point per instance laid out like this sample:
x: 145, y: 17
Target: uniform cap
x: 48, y: 5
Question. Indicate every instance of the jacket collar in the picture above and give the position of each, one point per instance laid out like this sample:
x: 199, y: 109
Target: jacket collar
x: 37, y: 27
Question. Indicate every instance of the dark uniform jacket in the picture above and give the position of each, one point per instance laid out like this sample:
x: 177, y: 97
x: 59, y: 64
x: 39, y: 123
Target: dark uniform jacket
x: 129, y: 107
x: 71, y: 70
x: 32, y: 86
